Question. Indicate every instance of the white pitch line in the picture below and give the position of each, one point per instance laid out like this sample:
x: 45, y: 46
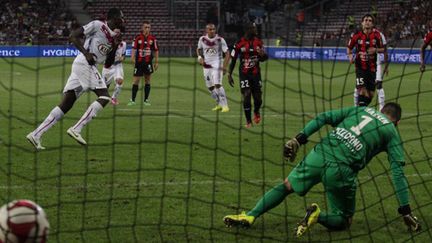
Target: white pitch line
x: 173, y: 183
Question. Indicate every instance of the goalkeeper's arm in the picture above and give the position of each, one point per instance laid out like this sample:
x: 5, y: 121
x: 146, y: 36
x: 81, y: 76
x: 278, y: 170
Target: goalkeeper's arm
x: 401, y: 189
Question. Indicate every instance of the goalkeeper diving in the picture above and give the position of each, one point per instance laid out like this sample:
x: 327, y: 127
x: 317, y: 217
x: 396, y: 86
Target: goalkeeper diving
x: 359, y: 134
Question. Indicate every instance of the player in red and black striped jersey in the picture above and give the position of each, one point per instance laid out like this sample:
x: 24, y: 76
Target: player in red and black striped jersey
x: 368, y: 44
x: 427, y: 41
x: 144, y: 49
x: 250, y: 50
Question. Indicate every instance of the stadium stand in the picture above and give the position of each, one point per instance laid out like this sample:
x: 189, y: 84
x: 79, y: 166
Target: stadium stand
x: 35, y: 22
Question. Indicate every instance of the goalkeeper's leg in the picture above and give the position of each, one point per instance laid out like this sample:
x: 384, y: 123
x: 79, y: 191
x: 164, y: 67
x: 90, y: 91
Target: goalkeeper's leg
x: 271, y: 199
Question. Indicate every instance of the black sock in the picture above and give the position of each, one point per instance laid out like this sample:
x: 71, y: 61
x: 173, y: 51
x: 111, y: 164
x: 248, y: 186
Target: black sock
x: 257, y: 102
x: 247, y: 109
x: 146, y: 91
x: 134, y: 91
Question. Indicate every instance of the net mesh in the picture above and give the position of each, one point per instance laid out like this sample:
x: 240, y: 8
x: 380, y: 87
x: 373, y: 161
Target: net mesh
x: 171, y: 171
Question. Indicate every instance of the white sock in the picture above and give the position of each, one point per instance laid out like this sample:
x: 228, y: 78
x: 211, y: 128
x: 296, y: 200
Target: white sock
x: 356, y: 95
x: 117, y: 90
x: 381, y: 98
x: 222, y: 97
x: 215, y: 95
x: 52, y: 118
x: 91, y: 112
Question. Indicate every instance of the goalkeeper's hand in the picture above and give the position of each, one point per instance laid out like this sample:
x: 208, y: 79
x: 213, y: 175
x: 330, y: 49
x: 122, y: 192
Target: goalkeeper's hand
x: 230, y: 80
x: 290, y: 149
x: 410, y: 220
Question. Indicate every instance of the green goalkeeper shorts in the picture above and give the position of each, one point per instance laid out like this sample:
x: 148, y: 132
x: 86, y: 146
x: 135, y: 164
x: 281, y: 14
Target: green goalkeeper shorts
x: 339, y: 181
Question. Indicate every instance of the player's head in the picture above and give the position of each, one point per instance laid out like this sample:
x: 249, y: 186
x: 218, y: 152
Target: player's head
x: 146, y: 28
x: 368, y: 21
x: 393, y: 112
x: 250, y: 30
x: 115, y: 18
x: 211, y: 30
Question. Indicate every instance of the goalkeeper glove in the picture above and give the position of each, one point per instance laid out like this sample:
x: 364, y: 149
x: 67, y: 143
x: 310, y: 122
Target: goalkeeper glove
x: 291, y: 147
x: 410, y: 220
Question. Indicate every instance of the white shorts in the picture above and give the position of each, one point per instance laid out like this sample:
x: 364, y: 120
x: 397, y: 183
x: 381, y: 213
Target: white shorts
x: 83, y: 77
x: 213, y: 76
x: 113, y: 73
x: 379, y: 74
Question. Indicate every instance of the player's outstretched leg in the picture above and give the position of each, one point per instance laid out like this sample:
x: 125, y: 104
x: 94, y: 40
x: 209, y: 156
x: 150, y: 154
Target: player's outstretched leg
x: 311, y: 218
x: 92, y: 110
x: 271, y: 199
x: 35, y: 136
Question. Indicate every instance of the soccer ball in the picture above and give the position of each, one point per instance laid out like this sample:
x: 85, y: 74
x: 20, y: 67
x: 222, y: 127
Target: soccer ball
x: 23, y: 221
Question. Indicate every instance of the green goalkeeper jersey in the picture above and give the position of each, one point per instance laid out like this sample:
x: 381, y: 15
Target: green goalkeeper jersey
x: 359, y: 134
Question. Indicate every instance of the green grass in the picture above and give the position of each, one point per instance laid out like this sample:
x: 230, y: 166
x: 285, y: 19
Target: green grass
x: 171, y: 171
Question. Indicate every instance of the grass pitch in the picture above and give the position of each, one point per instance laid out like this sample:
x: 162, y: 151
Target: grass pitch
x: 171, y: 171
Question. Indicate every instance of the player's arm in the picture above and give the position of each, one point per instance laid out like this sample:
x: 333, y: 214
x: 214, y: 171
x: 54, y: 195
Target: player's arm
x: 75, y: 39
x: 234, y: 55
x: 112, y: 54
x: 262, y: 55
x: 350, y: 48
x: 226, y: 54
x: 425, y: 44
x: 396, y: 158
x: 134, y: 50
x: 200, y: 55
x: 333, y: 118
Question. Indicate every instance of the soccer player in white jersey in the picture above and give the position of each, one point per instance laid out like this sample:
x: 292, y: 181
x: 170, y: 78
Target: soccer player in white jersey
x: 211, y: 48
x: 100, y: 46
x: 115, y: 71
x: 382, y: 59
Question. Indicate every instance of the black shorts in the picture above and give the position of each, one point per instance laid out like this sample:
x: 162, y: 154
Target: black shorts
x: 365, y: 79
x: 250, y: 81
x: 143, y: 68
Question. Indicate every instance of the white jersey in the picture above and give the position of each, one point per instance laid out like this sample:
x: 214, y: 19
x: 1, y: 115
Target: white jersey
x: 212, y: 50
x: 98, y: 39
x: 380, y: 58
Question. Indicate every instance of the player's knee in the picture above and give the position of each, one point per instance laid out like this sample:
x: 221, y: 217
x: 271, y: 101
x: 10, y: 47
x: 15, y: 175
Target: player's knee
x: 119, y: 81
x: 211, y: 88
x: 103, y: 100
x: 246, y: 93
x: 364, y: 100
x: 218, y: 86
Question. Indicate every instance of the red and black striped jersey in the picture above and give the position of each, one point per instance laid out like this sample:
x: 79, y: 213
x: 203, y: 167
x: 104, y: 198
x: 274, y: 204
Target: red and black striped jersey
x: 247, y: 50
x: 362, y: 42
x: 144, y: 46
x: 428, y: 38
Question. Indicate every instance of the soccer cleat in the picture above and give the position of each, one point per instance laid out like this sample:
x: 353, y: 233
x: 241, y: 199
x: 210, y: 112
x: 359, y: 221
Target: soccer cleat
x: 217, y: 108
x: 131, y: 102
x: 225, y: 109
x: 239, y: 220
x: 36, y: 142
x: 73, y: 134
x: 248, y: 125
x: 147, y: 103
x: 257, y: 118
x: 114, y: 101
x: 309, y: 219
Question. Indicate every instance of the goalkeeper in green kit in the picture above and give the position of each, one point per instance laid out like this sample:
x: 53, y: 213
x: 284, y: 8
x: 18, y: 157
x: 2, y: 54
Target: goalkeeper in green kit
x: 359, y: 134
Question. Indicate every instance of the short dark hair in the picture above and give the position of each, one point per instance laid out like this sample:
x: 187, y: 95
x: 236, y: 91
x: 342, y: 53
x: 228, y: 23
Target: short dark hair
x: 146, y: 22
x: 368, y: 15
x: 114, y: 13
x: 392, y: 109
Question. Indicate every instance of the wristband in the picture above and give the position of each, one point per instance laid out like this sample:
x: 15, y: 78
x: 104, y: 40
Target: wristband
x: 301, y: 138
x: 404, y: 210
